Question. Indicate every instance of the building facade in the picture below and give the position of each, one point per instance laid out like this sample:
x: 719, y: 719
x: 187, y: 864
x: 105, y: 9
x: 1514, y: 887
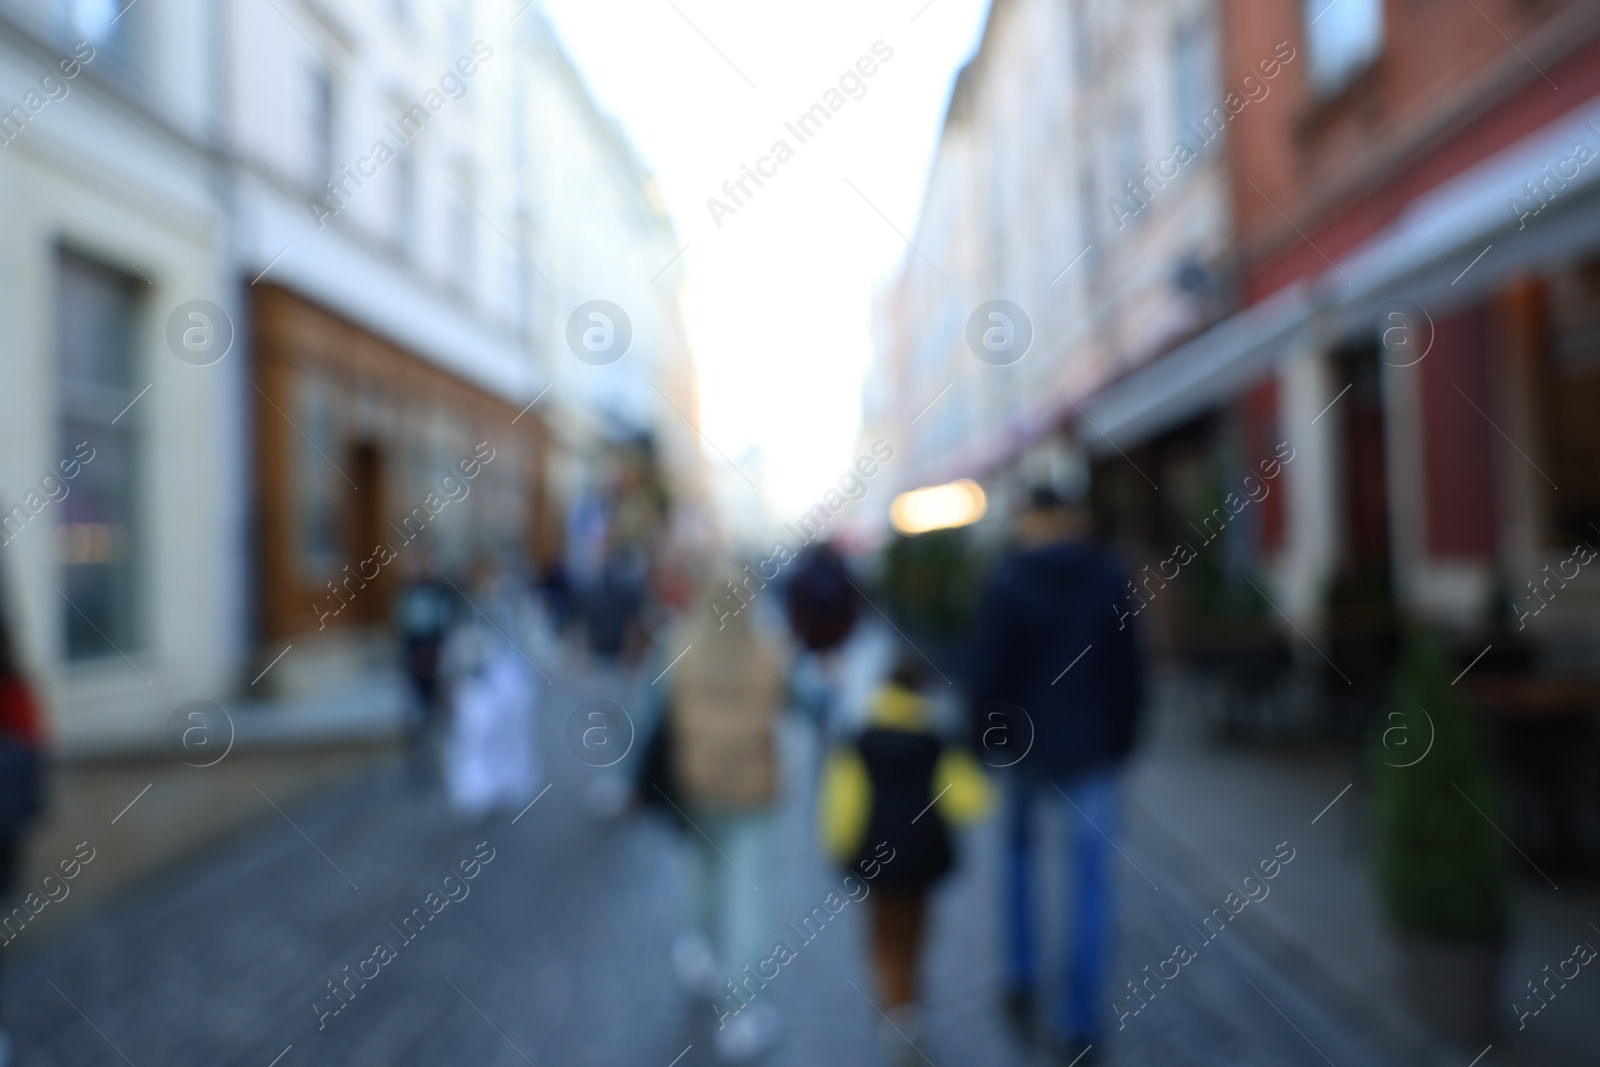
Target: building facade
x: 1058, y: 187
x: 122, y: 584
x: 427, y: 201
x: 1375, y: 276
x: 1414, y: 234
x: 271, y: 306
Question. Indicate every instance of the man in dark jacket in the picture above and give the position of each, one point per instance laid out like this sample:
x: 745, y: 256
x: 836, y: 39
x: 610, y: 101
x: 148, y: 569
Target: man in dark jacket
x: 424, y: 609
x: 1056, y: 688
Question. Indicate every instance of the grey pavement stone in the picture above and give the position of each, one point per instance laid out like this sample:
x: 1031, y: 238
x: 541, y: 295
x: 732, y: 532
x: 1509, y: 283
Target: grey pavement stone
x: 560, y: 953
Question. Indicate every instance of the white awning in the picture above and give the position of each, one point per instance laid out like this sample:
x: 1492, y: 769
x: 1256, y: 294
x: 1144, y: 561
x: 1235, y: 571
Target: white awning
x: 1420, y: 258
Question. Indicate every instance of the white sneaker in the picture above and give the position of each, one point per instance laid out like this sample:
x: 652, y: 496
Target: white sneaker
x: 693, y: 963
x: 607, y: 797
x: 748, y: 1034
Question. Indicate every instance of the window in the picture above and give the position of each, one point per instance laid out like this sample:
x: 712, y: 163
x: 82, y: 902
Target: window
x: 1129, y: 156
x: 1128, y: 196
x: 93, y: 20
x: 95, y: 313
x: 521, y: 273
x: 1194, y: 76
x: 1087, y: 212
x: 463, y: 232
x: 405, y: 200
x: 117, y: 31
x: 1082, y: 50
x: 459, y: 29
x: 519, y: 133
x: 320, y: 127
x: 1343, y: 37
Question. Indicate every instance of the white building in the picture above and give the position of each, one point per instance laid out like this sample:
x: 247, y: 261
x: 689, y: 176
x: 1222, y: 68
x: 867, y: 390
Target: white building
x: 436, y: 205
x: 1046, y: 192
x: 120, y: 563
x: 606, y: 236
x: 280, y: 267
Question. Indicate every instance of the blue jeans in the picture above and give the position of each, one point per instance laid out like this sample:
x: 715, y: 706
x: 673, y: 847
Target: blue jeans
x: 1088, y: 803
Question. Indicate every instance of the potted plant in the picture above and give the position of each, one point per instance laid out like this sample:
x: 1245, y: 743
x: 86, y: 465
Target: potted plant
x: 1440, y: 864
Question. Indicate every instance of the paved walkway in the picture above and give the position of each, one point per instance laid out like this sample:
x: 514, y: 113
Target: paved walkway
x: 559, y: 952
x: 1205, y: 810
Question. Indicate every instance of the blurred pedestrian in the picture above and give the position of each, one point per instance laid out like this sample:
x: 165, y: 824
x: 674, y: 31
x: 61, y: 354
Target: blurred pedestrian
x: 424, y: 608
x: 21, y: 779
x: 490, y: 758
x: 1057, y: 676
x: 821, y: 604
x: 612, y: 605
x: 721, y: 723
x: 899, y: 785
x: 556, y: 587
x: 821, y: 600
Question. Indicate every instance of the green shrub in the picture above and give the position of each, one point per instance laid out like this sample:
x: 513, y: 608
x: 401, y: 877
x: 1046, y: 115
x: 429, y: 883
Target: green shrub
x: 1441, y: 866
x: 932, y: 580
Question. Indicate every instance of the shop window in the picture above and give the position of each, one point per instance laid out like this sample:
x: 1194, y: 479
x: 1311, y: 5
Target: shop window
x: 502, y: 519
x: 1343, y: 37
x: 451, y: 530
x: 1260, y: 435
x: 317, y: 481
x: 1572, y: 392
x: 96, y: 312
x: 1365, y: 492
x: 367, y: 465
x: 1458, y: 441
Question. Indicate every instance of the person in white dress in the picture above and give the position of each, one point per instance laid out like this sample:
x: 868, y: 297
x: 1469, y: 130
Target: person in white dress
x: 491, y: 756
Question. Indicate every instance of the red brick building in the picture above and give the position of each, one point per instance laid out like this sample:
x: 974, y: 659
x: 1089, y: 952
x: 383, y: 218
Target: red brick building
x: 1415, y: 274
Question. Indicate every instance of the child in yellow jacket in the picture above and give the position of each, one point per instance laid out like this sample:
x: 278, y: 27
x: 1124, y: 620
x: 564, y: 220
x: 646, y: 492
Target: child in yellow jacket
x: 898, y: 783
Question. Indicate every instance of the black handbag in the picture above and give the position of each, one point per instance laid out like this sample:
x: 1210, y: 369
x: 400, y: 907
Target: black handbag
x: 22, y: 774
x: 655, y: 782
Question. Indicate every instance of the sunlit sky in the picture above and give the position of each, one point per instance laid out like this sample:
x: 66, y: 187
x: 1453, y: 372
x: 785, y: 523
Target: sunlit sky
x: 779, y: 300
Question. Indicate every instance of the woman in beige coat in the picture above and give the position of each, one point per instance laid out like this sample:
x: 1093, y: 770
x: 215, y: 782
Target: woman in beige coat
x: 726, y: 696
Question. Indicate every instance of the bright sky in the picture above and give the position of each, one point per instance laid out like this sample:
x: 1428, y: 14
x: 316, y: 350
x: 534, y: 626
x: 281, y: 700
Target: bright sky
x: 780, y: 296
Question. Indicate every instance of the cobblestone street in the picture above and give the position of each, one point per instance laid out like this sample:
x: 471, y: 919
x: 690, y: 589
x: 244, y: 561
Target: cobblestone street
x: 515, y: 513
x: 559, y: 951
